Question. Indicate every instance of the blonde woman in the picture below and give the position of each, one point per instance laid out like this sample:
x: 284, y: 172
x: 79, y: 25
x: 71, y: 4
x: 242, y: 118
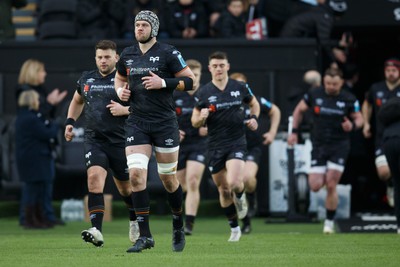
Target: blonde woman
x: 34, y: 158
x: 32, y: 77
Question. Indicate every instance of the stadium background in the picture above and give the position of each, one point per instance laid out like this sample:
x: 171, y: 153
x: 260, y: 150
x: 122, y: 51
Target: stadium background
x: 273, y: 66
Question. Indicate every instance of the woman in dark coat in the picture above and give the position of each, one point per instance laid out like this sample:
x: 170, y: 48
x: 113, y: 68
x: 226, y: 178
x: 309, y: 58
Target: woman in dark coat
x: 32, y: 76
x: 34, y: 159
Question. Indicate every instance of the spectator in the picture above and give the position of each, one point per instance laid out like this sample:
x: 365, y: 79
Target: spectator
x: 379, y: 94
x: 35, y: 162
x: 255, y: 140
x: 187, y: 19
x: 254, y: 10
x: 318, y: 23
x: 214, y: 9
x: 335, y: 113
x: 32, y: 77
x: 7, y: 31
x: 101, y: 19
x: 389, y: 116
x: 232, y: 22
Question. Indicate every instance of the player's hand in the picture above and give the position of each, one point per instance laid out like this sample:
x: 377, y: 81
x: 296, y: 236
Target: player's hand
x: 203, y: 131
x: 151, y: 82
x: 56, y: 96
x: 69, y: 134
x: 182, y: 135
x: 252, y: 124
x: 116, y: 108
x: 124, y: 93
x: 347, y: 125
x: 268, y: 137
x: 292, y: 139
x: 367, y: 130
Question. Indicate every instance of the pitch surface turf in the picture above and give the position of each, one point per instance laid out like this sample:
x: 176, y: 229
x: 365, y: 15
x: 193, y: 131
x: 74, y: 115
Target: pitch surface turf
x: 271, y: 244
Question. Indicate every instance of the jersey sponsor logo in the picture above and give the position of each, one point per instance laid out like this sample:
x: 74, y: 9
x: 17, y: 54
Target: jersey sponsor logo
x: 200, y: 158
x: 169, y: 142
x: 239, y: 155
x: 142, y: 71
x: 130, y: 139
x: 357, y: 107
x: 265, y: 102
x: 180, y: 58
x: 154, y: 59
x: 178, y: 111
x: 212, y: 99
x: 340, y: 104
x: 227, y: 105
x: 235, y: 93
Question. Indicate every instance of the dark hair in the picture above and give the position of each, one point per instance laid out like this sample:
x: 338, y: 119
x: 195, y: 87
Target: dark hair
x: 334, y: 72
x: 218, y: 55
x: 106, y: 44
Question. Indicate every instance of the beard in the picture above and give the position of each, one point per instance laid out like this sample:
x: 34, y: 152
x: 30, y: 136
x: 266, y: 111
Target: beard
x: 142, y: 39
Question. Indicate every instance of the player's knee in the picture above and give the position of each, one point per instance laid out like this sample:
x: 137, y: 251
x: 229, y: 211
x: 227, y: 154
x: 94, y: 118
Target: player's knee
x: 137, y: 161
x: 167, y: 168
x: 225, y: 193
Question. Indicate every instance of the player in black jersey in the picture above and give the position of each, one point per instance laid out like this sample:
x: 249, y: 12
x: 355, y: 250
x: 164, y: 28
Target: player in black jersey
x: 255, y: 140
x: 105, y: 118
x: 378, y: 95
x: 147, y: 74
x: 220, y: 107
x: 192, y: 149
x: 335, y: 113
x: 389, y: 116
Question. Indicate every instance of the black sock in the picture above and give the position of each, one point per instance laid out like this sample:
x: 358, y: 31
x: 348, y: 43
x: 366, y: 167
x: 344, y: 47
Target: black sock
x: 389, y: 182
x: 231, y: 214
x: 175, y: 200
x: 96, y: 209
x: 246, y: 220
x: 128, y: 202
x: 141, y: 203
x: 330, y: 214
x: 190, y: 221
x: 251, y: 200
x: 239, y: 195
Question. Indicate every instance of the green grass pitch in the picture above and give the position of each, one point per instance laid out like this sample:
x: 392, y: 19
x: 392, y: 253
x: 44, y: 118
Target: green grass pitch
x: 269, y: 244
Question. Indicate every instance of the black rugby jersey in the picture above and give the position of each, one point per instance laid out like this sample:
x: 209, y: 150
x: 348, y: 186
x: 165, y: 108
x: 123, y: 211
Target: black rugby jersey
x: 162, y: 59
x: 328, y: 113
x: 225, y: 122
x: 184, y: 103
x: 254, y: 138
x: 378, y: 95
x: 97, y: 92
